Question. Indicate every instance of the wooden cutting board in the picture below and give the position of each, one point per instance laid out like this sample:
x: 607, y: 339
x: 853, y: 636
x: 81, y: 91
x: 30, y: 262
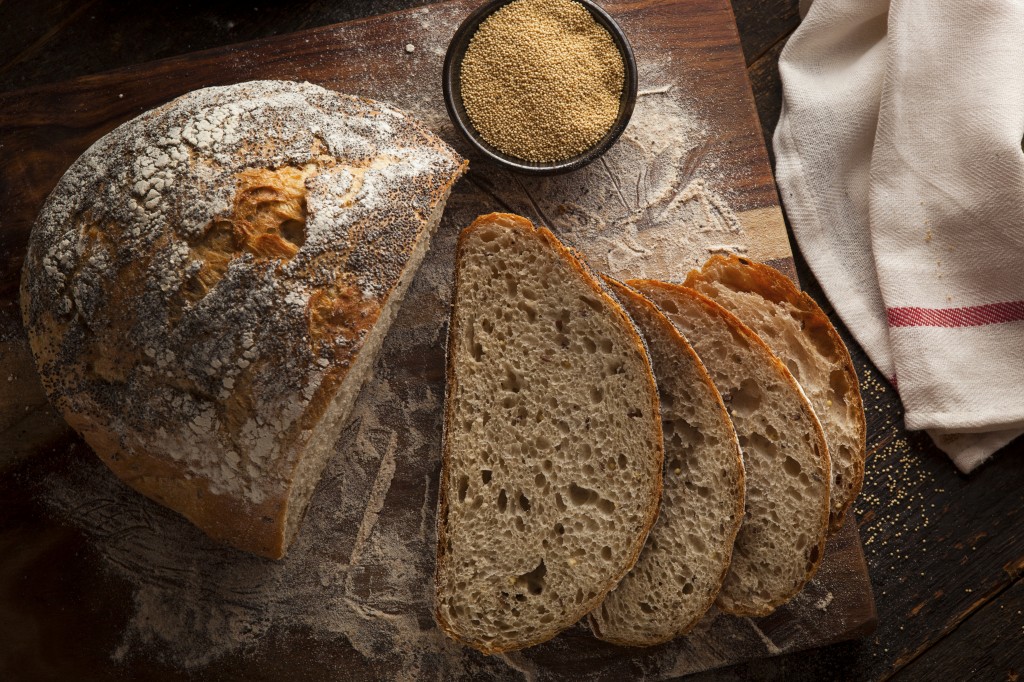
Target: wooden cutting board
x: 97, y: 582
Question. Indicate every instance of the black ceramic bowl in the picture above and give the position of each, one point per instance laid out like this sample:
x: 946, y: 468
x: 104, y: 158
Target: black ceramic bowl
x: 451, y: 84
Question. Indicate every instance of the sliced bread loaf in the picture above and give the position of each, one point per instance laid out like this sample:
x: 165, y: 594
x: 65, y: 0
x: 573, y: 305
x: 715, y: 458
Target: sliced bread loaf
x: 681, y: 569
x: 552, y: 453
x: 785, y: 458
x: 797, y: 331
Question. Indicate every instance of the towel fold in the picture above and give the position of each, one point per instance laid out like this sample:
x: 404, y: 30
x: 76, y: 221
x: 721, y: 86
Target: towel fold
x: 900, y: 165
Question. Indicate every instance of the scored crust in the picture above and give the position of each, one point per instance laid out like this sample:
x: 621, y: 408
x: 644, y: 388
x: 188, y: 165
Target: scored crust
x: 514, y: 222
x: 838, y: 417
x: 207, y: 283
x: 668, y: 625
x: 652, y: 289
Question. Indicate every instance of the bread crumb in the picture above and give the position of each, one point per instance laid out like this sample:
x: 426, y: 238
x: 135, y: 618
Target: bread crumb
x: 410, y: 48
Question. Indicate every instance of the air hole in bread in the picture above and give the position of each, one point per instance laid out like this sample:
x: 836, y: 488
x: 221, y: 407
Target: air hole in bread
x: 606, y: 553
x: 559, y: 529
x: 294, y: 231
x: 524, y: 502
x: 539, y: 480
x: 463, y: 487
x: 477, y: 352
x: 596, y: 394
x: 502, y: 500
x: 793, y: 368
x: 606, y: 345
x: 589, y: 345
x: 623, y: 461
x: 579, y: 495
x: 513, y: 382
x: 531, y: 312
x: 791, y: 466
x: 668, y: 305
x: 839, y: 382
x: 646, y: 608
x: 594, y: 304
x: 485, y: 476
x: 745, y: 399
x: 533, y: 582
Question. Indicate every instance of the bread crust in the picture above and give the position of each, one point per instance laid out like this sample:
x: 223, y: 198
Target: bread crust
x: 192, y: 208
x: 750, y: 276
x: 515, y: 222
x: 679, y: 290
x: 623, y: 290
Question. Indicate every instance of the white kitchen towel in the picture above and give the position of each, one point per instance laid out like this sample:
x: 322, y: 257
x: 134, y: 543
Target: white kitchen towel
x: 900, y: 164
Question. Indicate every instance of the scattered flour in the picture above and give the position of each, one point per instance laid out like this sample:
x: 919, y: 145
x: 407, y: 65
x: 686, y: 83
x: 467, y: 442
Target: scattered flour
x: 645, y: 208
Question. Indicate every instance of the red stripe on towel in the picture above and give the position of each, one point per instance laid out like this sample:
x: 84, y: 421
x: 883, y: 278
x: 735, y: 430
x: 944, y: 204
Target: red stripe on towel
x: 969, y: 316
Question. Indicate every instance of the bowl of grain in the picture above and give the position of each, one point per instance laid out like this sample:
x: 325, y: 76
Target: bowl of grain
x: 540, y: 86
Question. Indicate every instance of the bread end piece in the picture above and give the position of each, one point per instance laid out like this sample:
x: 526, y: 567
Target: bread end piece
x: 801, y: 334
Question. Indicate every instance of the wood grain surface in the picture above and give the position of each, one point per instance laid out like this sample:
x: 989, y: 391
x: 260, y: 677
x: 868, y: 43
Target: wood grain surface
x: 932, y: 580
x: 941, y: 547
x: 43, y: 129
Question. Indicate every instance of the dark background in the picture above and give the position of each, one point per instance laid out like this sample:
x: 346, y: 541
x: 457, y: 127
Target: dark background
x: 945, y: 557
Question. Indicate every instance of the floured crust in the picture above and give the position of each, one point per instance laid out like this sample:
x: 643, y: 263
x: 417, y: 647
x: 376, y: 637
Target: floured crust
x: 683, y: 348
x: 745, y: 275
x: 783, y: 374
x: 202, y: 279
x: 515, y: 222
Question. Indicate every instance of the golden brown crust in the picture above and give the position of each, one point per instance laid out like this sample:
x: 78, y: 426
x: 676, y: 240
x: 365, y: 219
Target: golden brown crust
x: 733, y: 322
x: 202, y: 280
x: 743, y: 274
x: 515, y: 222
x: 623, y: 290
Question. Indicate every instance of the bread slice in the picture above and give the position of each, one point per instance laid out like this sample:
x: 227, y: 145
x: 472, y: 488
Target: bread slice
x: 207, y: 286
x: 785, y: 458
x: 681, y: 569
x: 552, y: 451
x: 797, y: 331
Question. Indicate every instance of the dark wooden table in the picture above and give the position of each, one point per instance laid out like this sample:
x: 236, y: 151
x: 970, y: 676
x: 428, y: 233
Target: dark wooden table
x: 944, y: 553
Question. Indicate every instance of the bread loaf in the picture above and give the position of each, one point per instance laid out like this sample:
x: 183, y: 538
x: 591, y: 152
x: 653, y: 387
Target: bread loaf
x: 797, y: 331
x: 206, y: 288
x: 681, y: 569
x: 785, y: 457
x: 552, y: 450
